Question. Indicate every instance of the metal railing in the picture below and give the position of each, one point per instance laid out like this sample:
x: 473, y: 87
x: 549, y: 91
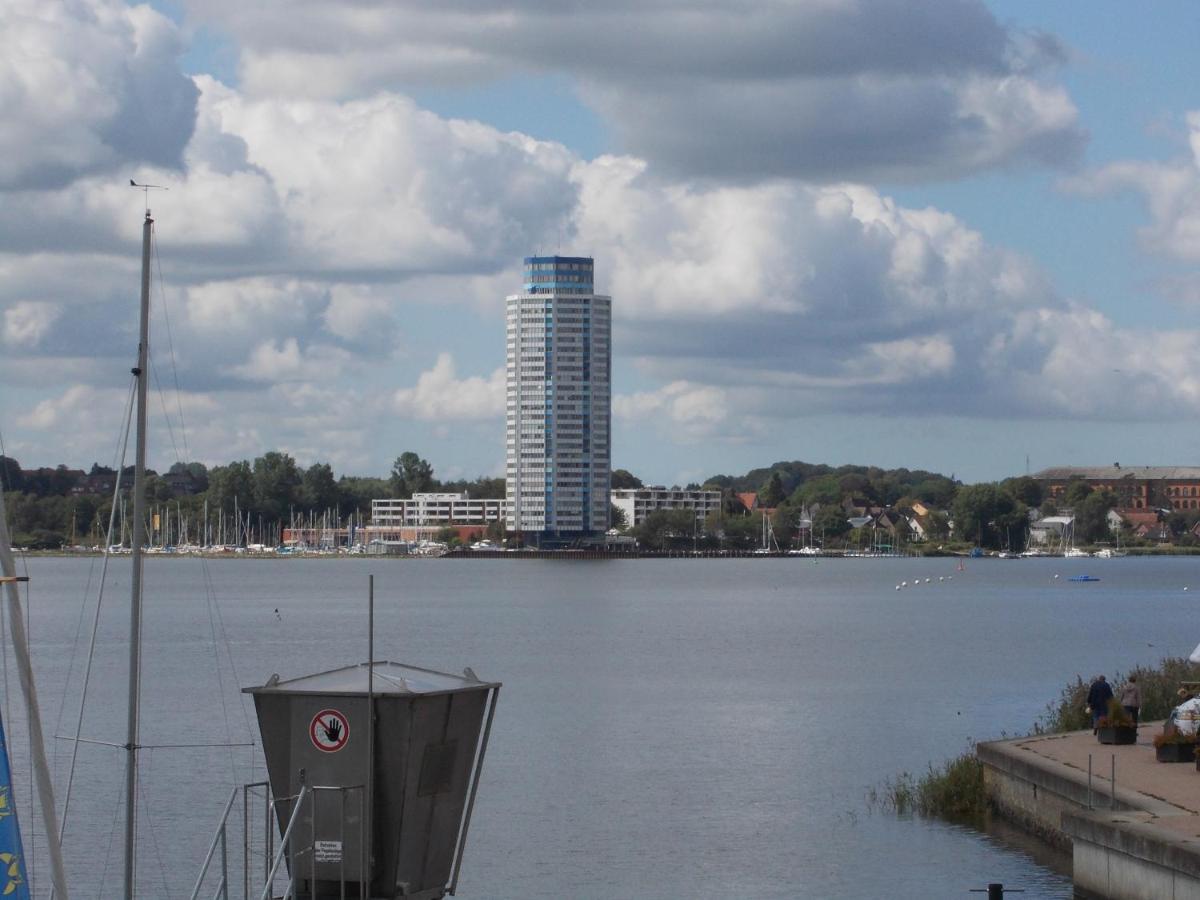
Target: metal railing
x: 285, y: 846
x: 302, y: 852
x: 220, y: 839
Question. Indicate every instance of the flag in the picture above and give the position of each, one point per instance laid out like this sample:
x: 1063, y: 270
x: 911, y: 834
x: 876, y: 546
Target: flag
x: 13, y: 883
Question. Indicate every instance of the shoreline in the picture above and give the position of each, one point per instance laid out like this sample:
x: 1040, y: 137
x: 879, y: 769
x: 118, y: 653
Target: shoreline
x: 531, y: 553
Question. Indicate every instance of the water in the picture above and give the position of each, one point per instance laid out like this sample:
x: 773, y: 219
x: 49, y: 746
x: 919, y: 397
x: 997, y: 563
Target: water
x: 667, y: 728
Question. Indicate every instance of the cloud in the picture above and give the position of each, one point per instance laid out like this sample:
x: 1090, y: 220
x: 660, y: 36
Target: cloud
x: 747, y: 90
x: 1171, y: 191
x: 92, y: 86
x: 440, y: 395
x: 695, y: 410
x: 26, y: 323
x: 309, y: 242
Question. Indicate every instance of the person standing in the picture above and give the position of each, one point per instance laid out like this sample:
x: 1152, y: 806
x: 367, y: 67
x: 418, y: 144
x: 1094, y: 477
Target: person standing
x: 1097, y: 699
x: 1131, y: 698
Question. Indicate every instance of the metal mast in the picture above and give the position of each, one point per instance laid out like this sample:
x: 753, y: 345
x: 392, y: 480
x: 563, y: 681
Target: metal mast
x: 139, y: 532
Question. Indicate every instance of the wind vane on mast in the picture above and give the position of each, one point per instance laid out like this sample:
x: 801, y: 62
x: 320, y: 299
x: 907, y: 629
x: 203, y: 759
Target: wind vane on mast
x: 146, y: 189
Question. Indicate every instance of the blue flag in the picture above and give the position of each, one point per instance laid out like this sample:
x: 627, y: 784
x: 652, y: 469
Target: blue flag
x: 13, y: 883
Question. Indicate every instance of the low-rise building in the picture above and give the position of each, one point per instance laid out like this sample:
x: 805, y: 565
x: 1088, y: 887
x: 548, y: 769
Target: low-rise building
x: 637, y: 503
x: 1051, y: 531
x: 424, y: 514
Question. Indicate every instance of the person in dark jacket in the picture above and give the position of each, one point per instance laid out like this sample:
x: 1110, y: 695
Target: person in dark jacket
x: 1097, y: 699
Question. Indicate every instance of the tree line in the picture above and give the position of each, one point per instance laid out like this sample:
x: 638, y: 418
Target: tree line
x: 52, y: 507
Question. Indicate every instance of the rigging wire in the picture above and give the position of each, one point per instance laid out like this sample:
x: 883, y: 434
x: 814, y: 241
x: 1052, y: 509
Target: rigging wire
x: 170, y: 340
x: 117, y: 806
x: 211, y: 593
x: 162, y: 400
x: 147, y: 812
x: 216, y: 649
x: 87, y: 673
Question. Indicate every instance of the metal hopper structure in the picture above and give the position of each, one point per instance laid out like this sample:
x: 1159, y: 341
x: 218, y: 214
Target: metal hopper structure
x: 374, y: 806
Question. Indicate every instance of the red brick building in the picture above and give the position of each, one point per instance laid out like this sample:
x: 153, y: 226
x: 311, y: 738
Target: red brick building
x: 1136, y: 487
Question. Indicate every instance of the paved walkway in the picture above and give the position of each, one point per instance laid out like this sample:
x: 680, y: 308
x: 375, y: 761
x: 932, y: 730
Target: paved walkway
x: 1168, y: 794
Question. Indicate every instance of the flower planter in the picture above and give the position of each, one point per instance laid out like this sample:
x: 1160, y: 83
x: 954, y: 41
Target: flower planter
x: 1175, y: 753
x: 1117, y: 734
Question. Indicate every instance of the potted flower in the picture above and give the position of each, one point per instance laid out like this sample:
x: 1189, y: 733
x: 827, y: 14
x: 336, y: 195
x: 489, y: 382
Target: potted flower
x: 1174, y: 746
x: 1117, y: 727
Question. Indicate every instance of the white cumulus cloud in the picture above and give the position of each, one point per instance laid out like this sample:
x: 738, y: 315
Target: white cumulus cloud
x: 26, y: 323
x: 440, y: 394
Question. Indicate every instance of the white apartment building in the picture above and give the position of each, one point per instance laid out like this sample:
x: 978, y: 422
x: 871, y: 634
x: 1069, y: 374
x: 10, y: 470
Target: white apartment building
x: 430, y: 509
x: 559, y: 361
x: 637, y: 503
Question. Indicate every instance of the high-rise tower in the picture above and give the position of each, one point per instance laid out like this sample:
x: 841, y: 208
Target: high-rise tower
x: 559, y: 369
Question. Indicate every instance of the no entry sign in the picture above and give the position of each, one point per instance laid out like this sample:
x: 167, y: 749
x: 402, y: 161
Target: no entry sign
x: 329, y: 730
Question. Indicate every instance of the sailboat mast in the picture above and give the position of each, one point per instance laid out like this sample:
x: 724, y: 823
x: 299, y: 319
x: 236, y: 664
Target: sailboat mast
x: 135, y: 604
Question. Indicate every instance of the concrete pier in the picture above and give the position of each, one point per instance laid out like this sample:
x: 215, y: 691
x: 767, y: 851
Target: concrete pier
x: 1139, y: 841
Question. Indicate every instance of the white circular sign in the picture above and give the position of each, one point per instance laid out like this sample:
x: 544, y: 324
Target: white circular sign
x: 329, y: 730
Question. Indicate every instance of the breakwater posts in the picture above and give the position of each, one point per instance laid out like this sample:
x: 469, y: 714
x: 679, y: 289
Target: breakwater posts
x: 1137, y: 840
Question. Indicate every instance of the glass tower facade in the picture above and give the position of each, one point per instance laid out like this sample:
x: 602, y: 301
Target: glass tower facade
x: 558, y: 416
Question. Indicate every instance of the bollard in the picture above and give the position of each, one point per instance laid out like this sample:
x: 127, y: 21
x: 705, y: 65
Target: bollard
x: 1113, y: 783
x: 1089, y: 781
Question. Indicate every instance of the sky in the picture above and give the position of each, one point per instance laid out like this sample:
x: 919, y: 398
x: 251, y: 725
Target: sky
x: 958, y: 235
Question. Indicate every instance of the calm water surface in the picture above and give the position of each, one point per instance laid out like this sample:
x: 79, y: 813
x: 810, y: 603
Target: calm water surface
x: 667, y: 728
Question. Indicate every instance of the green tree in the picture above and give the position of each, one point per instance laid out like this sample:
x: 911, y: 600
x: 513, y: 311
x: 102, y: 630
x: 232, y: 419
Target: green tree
x: 276, y: 485
x: 785, y: 522
x: 411, y: 475
x: 356, y: 492
x: 830, y: 521
x: 665, y: 529
x: 622, y: 479
x: 197, y: 470
x: 11, y: 477
x: 824, y: 491
x: 229, y: 483
x: 1076, y: 491
x: 616, y: 517
x: 771, y: 494
x: 318, y: 490
x: 1091, y: 516
x: 990, y: 516
x: 1026, y: 489
x: 742, y: 532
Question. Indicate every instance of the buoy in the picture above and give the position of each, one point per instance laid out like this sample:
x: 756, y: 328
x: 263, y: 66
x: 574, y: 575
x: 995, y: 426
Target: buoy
x: 1055, y: 574
x: 1185, y: 587
x: 941, y: 578
x: 897, y: 587
x: 927, y: 581
x: 904, y: 584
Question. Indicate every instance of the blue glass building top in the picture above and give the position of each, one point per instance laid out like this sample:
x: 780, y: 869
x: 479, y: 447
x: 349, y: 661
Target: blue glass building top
x: 559, y: 275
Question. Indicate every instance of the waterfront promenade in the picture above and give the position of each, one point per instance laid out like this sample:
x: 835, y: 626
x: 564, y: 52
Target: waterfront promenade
x: 1140, y: 841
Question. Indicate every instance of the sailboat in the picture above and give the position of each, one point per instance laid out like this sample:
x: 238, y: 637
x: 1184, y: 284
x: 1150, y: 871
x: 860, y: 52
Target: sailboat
x: 416, y: 740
